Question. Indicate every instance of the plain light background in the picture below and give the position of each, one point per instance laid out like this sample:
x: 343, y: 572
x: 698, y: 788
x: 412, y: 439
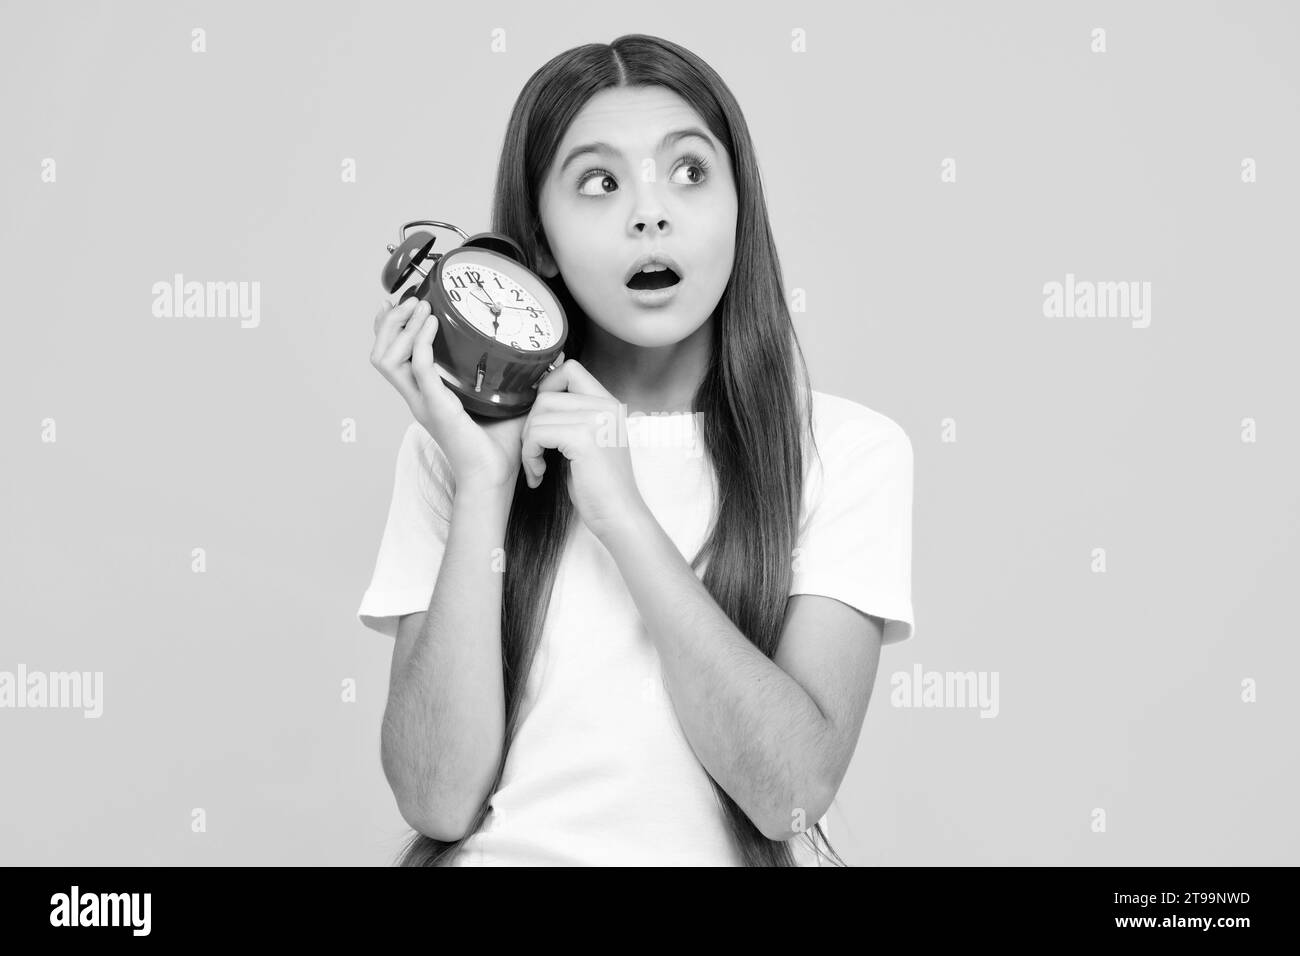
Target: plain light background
x: 1118, y: 690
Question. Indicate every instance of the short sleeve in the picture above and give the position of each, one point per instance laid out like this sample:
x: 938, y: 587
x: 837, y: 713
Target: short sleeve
x: 415, y: 534
x: 855, y: 540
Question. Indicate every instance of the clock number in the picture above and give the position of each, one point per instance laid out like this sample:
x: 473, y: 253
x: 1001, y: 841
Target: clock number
x: 538, y: 329
x: 533, y: 312
x: 519, y: 296
x: 454, y: 295
x: 498, y: 282
x: 460, y: 283
x: 475, y: 277
x: 536, y: 344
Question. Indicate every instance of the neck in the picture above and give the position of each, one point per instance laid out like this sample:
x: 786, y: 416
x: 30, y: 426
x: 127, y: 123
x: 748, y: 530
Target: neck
x: 645, y: 379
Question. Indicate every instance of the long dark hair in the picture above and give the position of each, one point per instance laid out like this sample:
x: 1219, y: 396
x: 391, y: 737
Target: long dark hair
x: 755, y: 400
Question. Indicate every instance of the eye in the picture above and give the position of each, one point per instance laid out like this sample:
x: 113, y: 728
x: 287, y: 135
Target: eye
x: 699, y: 162
x: 591, y: 175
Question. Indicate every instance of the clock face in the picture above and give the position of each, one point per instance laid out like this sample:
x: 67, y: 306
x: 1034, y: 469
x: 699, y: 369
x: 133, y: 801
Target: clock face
x: 495, y: 295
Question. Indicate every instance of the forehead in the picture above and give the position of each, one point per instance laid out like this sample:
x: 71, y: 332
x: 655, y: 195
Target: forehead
x: 632, y: 119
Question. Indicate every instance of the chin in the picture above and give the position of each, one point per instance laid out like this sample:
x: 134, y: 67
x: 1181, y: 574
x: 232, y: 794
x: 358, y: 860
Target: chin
x: 654, y: 328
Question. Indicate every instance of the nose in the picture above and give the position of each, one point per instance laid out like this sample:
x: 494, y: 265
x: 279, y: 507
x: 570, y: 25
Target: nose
x: 649, y: 212
x: 660, y: 224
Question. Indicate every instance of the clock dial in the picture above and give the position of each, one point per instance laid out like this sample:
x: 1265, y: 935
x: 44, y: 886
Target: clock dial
x: 499, y: 304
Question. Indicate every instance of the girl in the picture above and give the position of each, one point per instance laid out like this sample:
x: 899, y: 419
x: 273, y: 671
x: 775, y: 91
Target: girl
x: 566, y: 687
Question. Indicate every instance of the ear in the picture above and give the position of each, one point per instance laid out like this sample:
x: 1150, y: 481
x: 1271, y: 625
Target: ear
x: 545, y: 261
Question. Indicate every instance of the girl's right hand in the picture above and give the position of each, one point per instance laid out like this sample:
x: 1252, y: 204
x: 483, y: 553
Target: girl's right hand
x: 483, y: 453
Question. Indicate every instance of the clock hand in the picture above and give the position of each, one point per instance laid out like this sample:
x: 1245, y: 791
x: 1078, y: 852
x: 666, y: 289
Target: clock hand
x: 493, y: 308
x: 496, y: 310
x: 500, y: 305
x: 485, y: 292
x: 521, y: 308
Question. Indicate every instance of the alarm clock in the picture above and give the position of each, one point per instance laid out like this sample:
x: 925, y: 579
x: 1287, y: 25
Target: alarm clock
x: 500, y: 328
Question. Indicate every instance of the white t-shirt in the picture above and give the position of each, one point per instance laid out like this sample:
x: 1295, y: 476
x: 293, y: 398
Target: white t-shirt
x: 600, y: 771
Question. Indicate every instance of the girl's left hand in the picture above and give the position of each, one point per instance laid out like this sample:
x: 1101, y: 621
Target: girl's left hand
x: 575, y: 414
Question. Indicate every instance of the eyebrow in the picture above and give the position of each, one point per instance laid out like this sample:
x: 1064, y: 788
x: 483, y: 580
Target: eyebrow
x: 668, y: 140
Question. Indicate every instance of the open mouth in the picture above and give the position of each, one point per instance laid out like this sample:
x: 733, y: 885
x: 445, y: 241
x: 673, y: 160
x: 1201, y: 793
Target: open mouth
x: 649, y: 281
